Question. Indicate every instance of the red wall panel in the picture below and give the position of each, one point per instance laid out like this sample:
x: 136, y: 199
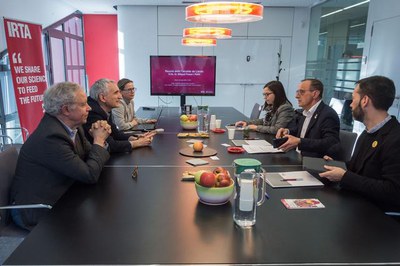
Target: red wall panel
x: 101, y: 47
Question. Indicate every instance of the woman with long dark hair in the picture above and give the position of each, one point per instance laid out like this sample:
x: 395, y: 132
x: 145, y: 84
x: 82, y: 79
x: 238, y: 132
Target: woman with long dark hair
x: 279, y: 110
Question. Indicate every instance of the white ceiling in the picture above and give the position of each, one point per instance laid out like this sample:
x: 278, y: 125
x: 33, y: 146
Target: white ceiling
x: 107, y: 6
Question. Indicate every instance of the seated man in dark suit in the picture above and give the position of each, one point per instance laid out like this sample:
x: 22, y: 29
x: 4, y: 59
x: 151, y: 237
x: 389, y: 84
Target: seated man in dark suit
x: 317, y: 132
x: 104, y: 96
x: 57, y: 153
x: 374, y: 169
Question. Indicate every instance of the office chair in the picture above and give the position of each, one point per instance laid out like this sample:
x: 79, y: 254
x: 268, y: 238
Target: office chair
x: 10, y: 235
x: 5, y: 139
x: 347, y: 141
x: 255, y: 113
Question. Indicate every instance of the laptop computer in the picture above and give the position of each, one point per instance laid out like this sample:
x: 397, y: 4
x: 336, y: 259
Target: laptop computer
x: 149, y: 127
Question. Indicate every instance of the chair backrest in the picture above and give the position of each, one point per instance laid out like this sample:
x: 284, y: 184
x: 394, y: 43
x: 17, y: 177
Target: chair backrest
x: 8, y: 164
x: 255, y: 113
x: 347, y: 140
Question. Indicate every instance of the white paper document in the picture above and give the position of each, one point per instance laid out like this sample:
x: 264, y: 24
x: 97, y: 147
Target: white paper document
x: 260, y: 149
x: 258, y: 142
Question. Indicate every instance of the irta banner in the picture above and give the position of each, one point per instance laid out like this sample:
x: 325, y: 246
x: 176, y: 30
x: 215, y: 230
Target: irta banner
x: 24, y: 44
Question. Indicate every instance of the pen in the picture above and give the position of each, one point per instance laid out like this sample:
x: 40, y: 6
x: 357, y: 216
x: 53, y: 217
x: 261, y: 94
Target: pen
x: 266, y: 195
x: 292, y: 179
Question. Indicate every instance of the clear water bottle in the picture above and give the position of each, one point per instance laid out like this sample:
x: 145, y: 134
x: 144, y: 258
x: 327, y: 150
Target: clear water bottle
x: 203, y: 119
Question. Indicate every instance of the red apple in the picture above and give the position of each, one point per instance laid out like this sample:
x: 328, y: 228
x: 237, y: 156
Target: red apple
x: 222, y: 176
x: 207, y: 179
x: 223, y: 180
x: 220, y: 170
x: 193, y: 117
x: 225, y: 183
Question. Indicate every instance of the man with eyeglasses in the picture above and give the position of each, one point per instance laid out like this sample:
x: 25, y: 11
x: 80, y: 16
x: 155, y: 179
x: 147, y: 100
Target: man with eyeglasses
x: 316, y: 133
x: 124, y: 115
x: 105, y: 96
x: 57, y: 153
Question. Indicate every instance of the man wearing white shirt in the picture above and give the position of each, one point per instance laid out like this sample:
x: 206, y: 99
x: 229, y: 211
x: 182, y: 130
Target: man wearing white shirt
x: 317, y: 132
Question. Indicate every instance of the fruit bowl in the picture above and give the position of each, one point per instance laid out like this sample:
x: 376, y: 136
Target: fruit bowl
x: 215, y: 195
x: 189, y: 124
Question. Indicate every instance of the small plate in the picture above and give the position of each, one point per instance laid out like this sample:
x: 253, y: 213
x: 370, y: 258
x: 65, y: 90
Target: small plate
x: 235, y: 150
x: 219, y: 130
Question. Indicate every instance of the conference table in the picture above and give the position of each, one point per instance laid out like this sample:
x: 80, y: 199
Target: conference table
x: 158, y: 219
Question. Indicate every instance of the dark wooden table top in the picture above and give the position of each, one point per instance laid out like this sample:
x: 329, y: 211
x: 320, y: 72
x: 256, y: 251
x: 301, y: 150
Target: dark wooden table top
x: 158, y: 219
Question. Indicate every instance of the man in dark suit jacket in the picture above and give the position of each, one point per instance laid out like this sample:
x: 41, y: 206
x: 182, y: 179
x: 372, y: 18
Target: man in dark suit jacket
x: 374, y: 169
x: 57, y: 153
x: 104, y: 96
x: 317, y: 133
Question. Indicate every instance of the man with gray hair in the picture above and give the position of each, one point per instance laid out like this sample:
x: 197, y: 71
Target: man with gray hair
x: 104, y: 96
x: 57, y: 153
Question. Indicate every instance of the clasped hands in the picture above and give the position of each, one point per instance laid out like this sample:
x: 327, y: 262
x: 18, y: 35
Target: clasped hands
x: 100, y: 130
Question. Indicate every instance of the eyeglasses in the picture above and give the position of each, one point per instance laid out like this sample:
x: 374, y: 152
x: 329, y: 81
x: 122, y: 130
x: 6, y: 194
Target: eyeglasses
x: 267, y: 93
x: 130, y: 90
x: 302, y: 92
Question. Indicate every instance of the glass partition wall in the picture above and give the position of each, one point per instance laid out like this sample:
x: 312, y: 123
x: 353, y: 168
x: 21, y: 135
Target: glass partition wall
x: 335, y: 48
x: 63, y: 45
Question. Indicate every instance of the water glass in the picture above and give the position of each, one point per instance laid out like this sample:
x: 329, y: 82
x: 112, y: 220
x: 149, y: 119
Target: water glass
x: 202, y: 119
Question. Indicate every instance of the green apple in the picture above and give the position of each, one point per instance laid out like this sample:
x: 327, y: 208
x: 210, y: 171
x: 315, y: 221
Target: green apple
x: 184, y: 118
x: 197, y: 176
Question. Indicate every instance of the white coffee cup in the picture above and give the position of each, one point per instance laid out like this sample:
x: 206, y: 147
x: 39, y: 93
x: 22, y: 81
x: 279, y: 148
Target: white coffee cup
x: 212, y: 122
x: 218, y: 123
x: 231, y: 133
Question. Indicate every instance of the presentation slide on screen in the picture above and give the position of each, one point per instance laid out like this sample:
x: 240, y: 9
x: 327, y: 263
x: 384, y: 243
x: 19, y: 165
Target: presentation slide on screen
x: 183, y: 75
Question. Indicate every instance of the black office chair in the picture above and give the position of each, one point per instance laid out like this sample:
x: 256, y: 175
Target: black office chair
x: 255, y: 113
x: 347, y: 141
x: 10, y: 235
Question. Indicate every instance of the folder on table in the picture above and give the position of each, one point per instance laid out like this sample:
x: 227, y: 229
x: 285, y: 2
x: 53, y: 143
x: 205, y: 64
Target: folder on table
x: 292, y: 179
x: 316, y: 165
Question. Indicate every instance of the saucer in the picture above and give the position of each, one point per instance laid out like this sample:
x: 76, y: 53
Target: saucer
x: 235, y: 149
x: 218, y: 130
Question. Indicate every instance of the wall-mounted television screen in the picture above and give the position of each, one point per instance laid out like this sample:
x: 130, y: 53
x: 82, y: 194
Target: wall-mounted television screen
x: 182, y: 75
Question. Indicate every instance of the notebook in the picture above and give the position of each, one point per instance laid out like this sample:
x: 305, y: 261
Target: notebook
x: 316, y: 165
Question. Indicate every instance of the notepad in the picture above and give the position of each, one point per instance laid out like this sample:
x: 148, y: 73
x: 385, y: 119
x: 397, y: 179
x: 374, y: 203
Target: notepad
x: 196, y: 162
